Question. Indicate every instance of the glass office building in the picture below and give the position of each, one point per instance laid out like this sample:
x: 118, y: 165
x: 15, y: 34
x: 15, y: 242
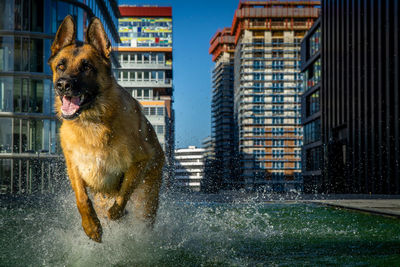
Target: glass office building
x: 312, y: 152
x: 30, y: 156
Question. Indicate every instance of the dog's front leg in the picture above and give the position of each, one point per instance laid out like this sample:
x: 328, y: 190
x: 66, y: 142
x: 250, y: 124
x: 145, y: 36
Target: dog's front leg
x: 131, y: 180
x: 90, y: 223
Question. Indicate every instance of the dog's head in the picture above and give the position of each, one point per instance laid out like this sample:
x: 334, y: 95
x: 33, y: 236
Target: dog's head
x: 81, y: 71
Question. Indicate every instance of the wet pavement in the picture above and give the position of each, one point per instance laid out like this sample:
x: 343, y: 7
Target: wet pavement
x: 388, y: 207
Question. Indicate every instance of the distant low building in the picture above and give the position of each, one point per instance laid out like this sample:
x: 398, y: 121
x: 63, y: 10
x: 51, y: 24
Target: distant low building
x: 189, y: 168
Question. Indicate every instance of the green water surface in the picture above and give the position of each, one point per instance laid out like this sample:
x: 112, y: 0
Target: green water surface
x: 200, y: 234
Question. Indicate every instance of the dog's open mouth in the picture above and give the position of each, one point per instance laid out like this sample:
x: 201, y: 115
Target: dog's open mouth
x: 71, y: 106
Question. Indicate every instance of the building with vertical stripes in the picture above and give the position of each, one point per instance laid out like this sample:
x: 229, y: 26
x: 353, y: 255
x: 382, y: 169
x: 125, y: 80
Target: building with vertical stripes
x: 360, y: 97
x: 145, y: 57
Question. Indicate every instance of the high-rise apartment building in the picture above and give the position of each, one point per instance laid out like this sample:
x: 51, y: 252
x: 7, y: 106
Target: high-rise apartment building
x: 360, y: 112
x: 30, y: 155
x: 267, y: 88
x: 145, y: 57
x: 312, y: 154
x: 222, y: 48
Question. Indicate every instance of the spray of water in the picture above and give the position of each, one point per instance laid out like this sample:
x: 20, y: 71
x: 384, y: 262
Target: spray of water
x: 234, y: 231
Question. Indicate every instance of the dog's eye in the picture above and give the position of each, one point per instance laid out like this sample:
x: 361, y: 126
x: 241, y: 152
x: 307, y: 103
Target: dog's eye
x: 60, y: 67
x: 86, y: 67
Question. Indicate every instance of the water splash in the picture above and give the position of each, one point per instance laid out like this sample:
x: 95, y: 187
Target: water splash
x: 192, y: 232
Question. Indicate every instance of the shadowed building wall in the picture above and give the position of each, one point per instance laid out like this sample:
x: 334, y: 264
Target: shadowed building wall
x: 360, y: 96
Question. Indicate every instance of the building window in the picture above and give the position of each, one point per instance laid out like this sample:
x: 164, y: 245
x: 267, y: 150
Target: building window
x: 5, y: 135
x: 258, y: 64
x: 139, y: 58
x: 313, y: 75
x: 312, y: 131
x: 277, y: 109
x: 36, y: 92
x: 258, y: 76
x: 257, y: 120
x: 146, y: 58
x: 277, y: 76
x: 277, y: 143
x: 132, y: 76
x: 315, y: 42
x: 6, y: 94
x: 160, y: 111
x: 36, y: 55
x: 277, y: 64
x: 312, y: 104
x: 258, y: 99
x: 277, y: 99
x: 278, y: 131
x: 257, y: 153
x: 258, y: 131
x: 146, y: 93
x: 160, y: 129
x: 258, y: 87
x: 139, y: 76
x: 258, y: 109
x: 146, y: 76
x: 125, y: 58
x: 313, y: 159
x: 278, y: 121
x: 160, y: 58
x: 278, y: 165
x: 258, y: 142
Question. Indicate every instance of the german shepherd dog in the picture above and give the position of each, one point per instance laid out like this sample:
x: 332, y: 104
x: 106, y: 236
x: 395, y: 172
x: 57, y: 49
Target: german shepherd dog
x: 108, y: 144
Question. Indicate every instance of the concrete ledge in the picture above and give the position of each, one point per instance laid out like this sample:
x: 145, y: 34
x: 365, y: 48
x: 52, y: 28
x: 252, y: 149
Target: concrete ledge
x: 386, y: 207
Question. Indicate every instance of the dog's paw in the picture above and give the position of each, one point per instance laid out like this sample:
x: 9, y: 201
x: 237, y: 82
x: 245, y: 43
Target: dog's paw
x: 115, y: 212
x: 93, y: 229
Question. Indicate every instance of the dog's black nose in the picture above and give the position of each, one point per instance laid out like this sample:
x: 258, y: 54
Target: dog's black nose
x: 64, y: 85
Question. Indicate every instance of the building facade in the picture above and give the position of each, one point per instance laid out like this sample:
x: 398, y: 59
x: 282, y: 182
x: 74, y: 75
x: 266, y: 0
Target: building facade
x: 267, y: 90
x: 30, y: 155
x: 222, y: 48
x: 360, y: 96
x: 145, y: 57
x: 189, y: 169
x: 312, y: 154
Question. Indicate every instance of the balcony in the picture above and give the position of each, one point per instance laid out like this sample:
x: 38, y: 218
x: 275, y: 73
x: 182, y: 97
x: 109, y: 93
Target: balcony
x: 147, y: 66
x: 146, y: 84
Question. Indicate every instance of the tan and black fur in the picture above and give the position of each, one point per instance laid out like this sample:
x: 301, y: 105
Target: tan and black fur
x: 108, y: 144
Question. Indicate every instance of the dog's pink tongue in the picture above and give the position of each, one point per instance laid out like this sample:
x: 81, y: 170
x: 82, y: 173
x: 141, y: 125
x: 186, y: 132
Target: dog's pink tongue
x: 70, y: 105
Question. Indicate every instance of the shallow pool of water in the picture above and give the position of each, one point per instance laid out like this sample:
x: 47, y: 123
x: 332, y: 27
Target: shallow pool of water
x: 198, y: 233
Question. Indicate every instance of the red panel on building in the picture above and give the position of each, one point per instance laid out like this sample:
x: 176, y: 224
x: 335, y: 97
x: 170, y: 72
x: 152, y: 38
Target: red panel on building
x: 140, y: 11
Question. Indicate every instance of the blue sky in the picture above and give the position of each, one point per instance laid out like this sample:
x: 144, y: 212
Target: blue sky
x: 194, y: 23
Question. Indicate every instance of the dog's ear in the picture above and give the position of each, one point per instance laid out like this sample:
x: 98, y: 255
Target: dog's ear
x: 65, y: 35
x: 97, y: 37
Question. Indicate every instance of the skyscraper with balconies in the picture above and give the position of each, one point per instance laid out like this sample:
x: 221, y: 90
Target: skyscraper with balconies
x: 30, y: 155
x: 145, y: 57
x: 222, y: 48
x: 267, y: 90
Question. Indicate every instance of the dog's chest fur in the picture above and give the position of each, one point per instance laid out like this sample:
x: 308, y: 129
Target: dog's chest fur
x: 99, y: 164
